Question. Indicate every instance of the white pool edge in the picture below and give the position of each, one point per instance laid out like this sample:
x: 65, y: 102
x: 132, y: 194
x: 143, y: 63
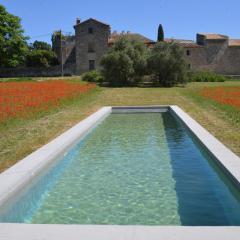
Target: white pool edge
x: 227, y: 159
x: 22, y: 173
x: 114, y: 232
x: 13, y: 179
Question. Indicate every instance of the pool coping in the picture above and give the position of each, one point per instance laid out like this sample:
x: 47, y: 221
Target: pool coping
x: 22, y: 173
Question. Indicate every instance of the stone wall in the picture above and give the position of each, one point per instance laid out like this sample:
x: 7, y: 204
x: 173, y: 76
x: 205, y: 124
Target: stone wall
x: 37, y: 72
x: 215, y: 56
x: 229, y: 64
x: 197, y: 59
x: 67, y: 46
x: 91, y: 43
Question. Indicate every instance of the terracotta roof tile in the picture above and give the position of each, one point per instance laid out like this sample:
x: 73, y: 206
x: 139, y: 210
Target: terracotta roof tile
x: 95, y: 20
x: 213, y: 36
x: 184, y: 43
x: 131, y: 36
x: 234, y: 42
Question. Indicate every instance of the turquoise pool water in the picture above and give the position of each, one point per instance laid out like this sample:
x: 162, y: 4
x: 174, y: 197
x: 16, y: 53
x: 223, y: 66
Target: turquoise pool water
x: 143, y: 169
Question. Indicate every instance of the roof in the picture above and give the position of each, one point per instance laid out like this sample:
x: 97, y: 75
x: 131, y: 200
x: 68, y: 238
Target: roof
x: 136, y: 36
x: 95, y: 20
x: 131, y: 36
x: 234, y: 42
x: 184, y: 43
x: 213, y: 36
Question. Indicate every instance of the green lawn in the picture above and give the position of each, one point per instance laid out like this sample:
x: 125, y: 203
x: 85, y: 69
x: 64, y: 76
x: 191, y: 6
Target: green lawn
x: 21, y: 137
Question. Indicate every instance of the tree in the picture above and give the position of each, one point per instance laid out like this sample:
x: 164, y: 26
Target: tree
x: 167, y: 64
x: 160, y: 33
x: 40, y: 58
x: 125, y: 62
x: 13, y: 45
x: 40, y: 45
x: 117, y: 68
x: 40, y: 54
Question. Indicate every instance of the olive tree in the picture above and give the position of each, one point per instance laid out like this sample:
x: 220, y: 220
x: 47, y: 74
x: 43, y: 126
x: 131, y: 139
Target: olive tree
x: 125, y: 62
x: 167, y: 64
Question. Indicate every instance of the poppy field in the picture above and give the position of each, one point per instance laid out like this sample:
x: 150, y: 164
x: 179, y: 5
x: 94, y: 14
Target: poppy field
x: 229, y: 96
x: 24, y: 99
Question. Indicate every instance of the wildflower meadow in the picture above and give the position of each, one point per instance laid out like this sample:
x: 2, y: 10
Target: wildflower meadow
x: 23, y: 99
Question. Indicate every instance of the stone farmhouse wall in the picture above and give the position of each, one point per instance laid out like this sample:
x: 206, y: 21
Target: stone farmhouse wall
x: 230, y: 63
x: 52, y: 71
x: 67, y: 46
x: 91, y: 44
x: 216, y: 56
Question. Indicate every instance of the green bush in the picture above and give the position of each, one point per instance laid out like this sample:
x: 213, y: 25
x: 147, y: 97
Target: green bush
x: 206, y: 76
x: 92, y: 76
x: 167, y: 64
x: 40, y: 45
x: 125, y: 63
x: 41, y: 58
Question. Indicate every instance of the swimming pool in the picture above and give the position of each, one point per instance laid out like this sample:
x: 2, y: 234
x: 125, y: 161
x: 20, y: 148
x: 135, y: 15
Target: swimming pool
x: 132, y: 169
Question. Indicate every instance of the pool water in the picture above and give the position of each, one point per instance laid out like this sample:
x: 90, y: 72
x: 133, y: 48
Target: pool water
x: 132, y: 169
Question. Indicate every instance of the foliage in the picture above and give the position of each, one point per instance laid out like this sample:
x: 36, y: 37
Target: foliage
x: 167, y: 64
x: 92, y: 76
x: 128, y: 61
x: 117, y: 68
x: 160, y: 33
x: 40, y: 54
x: 40, y: 58
x: 58, y: 35
x: 13, y: 44
x: 125, y: 62
x: 206, y: 76
x: 40, y: 45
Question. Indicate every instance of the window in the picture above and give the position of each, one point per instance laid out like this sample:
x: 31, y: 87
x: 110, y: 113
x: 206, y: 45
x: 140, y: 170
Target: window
x: 90, y: 30
x: 189, y: 66
x: 188, y: 53
x: 91, y: 65
x: 91, y: 47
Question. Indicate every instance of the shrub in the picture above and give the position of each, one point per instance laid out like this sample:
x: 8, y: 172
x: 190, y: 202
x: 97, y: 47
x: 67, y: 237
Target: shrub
x: 125, y: 63
x: 92, y: 76
x: 40, y: 45
x: 41, y: 58
x: 167, y: 64
x: 206, y: 76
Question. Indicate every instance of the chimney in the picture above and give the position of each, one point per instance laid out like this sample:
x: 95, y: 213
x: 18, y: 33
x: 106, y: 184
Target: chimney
x: 78, y: 21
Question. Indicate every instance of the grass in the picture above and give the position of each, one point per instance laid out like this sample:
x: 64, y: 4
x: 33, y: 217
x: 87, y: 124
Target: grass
x: 21, y: 79
x: 21, y: 137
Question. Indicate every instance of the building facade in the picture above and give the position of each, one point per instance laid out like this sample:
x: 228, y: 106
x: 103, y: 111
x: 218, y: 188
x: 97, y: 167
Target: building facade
x: 84, y: 50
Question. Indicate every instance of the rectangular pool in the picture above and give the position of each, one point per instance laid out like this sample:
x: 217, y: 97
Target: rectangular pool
x: 131, y: 169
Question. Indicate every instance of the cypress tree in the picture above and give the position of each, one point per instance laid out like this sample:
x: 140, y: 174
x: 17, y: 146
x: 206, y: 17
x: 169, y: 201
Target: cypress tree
x: 160, y: 33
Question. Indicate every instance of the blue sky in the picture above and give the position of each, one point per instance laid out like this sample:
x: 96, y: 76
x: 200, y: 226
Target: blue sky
x: 180, y: 18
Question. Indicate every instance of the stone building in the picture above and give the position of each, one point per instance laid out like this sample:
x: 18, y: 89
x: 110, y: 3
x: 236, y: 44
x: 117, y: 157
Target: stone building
x: 213, y: 52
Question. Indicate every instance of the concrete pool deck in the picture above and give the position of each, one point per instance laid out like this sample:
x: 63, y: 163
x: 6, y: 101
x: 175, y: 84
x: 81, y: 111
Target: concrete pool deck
x: 108, y: 232
x: 13, y: 180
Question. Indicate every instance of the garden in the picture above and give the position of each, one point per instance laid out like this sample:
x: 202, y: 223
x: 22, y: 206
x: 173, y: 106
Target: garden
x: 34, y: 111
